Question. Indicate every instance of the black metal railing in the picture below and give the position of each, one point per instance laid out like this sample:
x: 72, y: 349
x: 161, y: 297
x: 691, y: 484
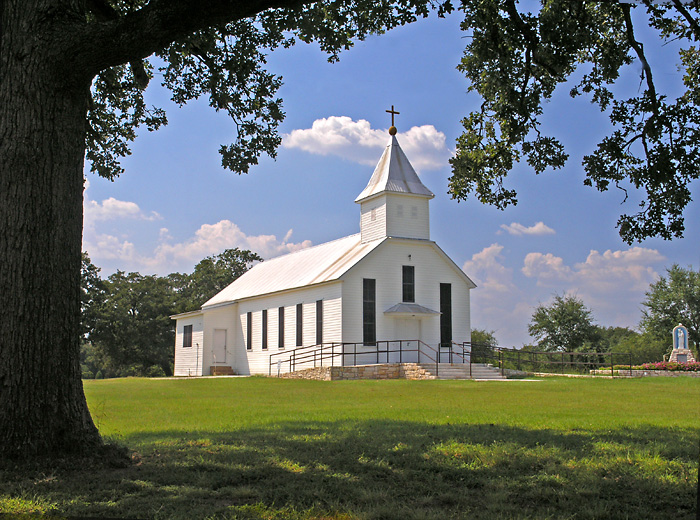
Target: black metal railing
x: 406, y: 351
x: 352, y: 354
x: 550, y: 362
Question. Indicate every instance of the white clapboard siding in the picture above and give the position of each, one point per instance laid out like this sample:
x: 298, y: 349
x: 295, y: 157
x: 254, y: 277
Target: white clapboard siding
x: 431, y: 269
x: 407, y: 216
x: 256, y: 360
x: 373, y: 219
x: 188, y: 361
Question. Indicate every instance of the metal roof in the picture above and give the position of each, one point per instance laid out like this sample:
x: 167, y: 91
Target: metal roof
x: 394, y: 173
x: 323, y: 263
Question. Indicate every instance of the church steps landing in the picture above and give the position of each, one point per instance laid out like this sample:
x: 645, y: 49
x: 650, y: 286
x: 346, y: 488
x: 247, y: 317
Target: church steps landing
x: 461, y: 371
x: 220, y: 370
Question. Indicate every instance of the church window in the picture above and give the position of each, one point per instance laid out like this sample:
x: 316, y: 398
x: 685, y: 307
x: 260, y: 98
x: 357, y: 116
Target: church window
x: 264, y: 329
x: 399, y: 210
x: 369, y: 311
x: 373, y: 215
x: 445, y: 314
x: 414, y: 211
x: 280, y: 328
x: 300, y: 324
x: 409, y: 284
x: 187, y: 336
x: 249, y: 331
x: 319, y: 322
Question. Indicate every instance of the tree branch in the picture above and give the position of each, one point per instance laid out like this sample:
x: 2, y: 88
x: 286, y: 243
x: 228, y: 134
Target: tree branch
x: 639, y: 49
x: 692, y: 21
x: 139, y: 34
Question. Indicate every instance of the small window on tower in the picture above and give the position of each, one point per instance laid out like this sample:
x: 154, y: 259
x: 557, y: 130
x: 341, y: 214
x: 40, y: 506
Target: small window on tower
x: 373, y: 215
x: 414, y: 211
x: 399, y: 210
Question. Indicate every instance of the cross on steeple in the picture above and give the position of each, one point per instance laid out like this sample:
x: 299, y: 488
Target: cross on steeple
x: 392, y: 130
x: 392, y: 112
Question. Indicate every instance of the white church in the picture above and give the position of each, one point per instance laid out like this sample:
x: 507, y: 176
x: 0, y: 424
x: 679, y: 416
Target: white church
x: 388, y: 291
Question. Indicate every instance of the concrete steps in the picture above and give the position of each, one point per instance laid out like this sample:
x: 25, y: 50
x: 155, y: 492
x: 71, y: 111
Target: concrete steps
x: 220, y: 370
x: 461, y: 371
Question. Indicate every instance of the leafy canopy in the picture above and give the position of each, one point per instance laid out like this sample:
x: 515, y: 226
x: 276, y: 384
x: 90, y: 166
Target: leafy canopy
x: 226, y: 63
x: 564, y: 325
x: 515, y: 59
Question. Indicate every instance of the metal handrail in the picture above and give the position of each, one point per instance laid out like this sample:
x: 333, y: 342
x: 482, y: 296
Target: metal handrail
x: 316, y: 353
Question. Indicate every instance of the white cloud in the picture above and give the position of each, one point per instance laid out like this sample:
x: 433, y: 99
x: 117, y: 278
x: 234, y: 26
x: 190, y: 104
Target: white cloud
x: 211, y: 239
x: 487, y: 271
x: 612, y: 284
x: 540, y: 228
x: 111, y: 208
x: 356, y: 141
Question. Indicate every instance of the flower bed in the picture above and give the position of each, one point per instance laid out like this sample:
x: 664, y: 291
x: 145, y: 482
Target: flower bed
x: 664, y: 365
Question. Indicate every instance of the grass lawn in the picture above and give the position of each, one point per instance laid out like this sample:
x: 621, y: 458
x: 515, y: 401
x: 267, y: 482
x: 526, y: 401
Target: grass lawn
x: 258, y: 448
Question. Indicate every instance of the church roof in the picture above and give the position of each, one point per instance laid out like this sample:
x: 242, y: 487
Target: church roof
x: 395, y: 174
x: 323, y: 263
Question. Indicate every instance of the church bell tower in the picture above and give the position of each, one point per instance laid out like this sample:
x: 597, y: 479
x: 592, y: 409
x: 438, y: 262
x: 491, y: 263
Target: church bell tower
x: 395, y: 202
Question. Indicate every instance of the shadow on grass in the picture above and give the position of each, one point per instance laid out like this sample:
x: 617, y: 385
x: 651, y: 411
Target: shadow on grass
x: 384, y: 469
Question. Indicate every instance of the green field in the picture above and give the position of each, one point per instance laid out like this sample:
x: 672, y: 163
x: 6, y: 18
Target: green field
x: 259, y: 448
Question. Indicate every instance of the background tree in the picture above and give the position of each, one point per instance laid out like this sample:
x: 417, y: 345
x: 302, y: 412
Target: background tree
x: 484, y: 337
x: 673, y: 299
x: 515, y: 59
x: 72, y: 75
x: 564, y: 325
x: 133, y: 331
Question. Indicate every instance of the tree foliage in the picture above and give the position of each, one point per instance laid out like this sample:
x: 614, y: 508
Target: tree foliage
x: 515, y: 59
x: 564, y: 325
x: 224, y: 61
x: 484, y: 337
x: 673, y: 299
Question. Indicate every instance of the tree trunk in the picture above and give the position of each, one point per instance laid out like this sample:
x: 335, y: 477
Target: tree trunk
x: 43, y: 108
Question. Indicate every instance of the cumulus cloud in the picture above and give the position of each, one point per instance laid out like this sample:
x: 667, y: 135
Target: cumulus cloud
x: 497, y: 304
x: 612, y: 284
x: 211, y: 239
x: 169, y: 256
x: 111, y: 208
x: 487, y: 271
x: 356, y: 141
x: 540, y: 228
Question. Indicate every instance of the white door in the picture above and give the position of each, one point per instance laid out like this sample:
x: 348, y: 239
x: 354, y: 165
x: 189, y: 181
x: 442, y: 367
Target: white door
x: 408, y: 330
x: 219, y: 350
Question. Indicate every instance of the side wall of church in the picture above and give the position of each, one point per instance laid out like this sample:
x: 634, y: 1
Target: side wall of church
x: 256, y: 359
x: 385, y: 266
x: 188, y: 360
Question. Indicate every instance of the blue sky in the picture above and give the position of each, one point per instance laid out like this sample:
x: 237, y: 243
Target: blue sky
x: 175, y: 204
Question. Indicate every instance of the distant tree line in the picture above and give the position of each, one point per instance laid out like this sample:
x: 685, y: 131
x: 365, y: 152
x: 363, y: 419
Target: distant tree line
x: 567, y: 324
x: 125, y: 318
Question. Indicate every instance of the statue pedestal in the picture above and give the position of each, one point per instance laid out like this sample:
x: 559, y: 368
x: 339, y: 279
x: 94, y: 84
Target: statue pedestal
x: 681, y: 355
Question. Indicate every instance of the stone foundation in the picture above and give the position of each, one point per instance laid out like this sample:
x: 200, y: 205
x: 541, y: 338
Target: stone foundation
x: 381, y: 371
x: 682, y: 352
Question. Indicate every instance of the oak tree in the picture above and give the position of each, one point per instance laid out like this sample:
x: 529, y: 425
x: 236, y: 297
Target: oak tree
x: 72, y: 74
x: 519, y: 53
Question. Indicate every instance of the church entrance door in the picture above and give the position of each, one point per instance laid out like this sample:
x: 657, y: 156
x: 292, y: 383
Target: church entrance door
x: 408, y: 330
x: 219, y: 350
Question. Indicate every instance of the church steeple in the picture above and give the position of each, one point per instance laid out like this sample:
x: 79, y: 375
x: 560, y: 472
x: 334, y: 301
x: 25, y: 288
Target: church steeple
x: 395, y: 202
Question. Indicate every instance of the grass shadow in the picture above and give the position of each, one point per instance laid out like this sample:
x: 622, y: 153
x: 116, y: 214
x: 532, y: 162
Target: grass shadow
x: 384, y: 469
